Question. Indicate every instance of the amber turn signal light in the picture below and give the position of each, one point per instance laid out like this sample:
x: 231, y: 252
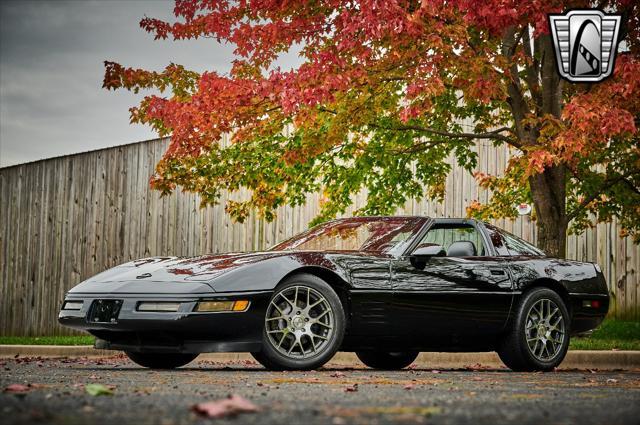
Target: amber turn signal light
x: 213, y: 306
x: 241, y: 305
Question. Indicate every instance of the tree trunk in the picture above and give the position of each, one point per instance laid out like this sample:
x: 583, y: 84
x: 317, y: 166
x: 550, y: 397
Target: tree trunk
x: 549, y: 198
x: 549, y: 187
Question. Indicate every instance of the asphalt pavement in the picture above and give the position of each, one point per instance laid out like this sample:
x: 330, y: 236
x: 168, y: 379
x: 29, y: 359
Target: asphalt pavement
x: 38, y: 390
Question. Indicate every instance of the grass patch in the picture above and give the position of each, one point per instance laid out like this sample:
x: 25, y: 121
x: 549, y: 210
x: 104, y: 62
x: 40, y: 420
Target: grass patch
x: 612, y: 334
x: 47, y: 340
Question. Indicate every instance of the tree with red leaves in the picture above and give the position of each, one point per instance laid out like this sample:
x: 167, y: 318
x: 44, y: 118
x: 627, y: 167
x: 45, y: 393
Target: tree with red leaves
x: 377, y: 105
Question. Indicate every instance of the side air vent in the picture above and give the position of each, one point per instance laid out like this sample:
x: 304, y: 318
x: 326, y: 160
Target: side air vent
x: 371, y: 312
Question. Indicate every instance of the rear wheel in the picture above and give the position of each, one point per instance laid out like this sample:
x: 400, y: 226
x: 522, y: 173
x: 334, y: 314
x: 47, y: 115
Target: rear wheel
x: 304, y: 325
x: 538, y: 337
x: 161, y: 360
x: 387, y: 360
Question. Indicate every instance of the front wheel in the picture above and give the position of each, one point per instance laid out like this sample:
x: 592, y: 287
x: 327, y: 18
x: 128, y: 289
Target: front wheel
x: 161, y: 360
x: 538, y: 336
x: 387, y: 360
x: 304, y: 325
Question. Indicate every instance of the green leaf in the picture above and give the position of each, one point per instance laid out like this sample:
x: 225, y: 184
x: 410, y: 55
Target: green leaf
x: 98, y: 389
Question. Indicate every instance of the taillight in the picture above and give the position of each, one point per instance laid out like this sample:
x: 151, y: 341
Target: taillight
x: 591, y: 303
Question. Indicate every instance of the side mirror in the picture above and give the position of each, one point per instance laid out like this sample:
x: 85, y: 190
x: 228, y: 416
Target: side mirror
x: 429, y: 251
x: 421, y: 255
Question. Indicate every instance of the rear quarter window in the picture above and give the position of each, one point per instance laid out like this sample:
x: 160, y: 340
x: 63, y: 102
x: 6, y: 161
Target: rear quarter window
x: 510, y: 245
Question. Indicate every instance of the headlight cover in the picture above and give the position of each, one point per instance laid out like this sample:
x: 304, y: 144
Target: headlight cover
x: 73, y: 305
x: 158, y: 306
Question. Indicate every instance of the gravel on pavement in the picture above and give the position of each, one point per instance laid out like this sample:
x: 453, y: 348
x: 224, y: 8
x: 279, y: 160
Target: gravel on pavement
x: 39, y: 390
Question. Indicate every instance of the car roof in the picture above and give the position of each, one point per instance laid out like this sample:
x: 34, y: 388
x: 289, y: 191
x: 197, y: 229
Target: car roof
x: 445, y: 220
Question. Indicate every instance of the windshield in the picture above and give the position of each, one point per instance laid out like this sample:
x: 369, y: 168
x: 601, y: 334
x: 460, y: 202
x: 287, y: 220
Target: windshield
x: 378, y: 234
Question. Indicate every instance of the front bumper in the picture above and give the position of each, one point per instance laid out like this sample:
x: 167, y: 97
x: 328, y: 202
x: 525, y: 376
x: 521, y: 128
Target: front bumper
x: 184, y: 331
x: 586, y: 318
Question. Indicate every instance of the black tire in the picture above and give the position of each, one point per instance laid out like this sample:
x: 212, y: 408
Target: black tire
x: 161, y: 360
x: 514, y: 351
x: 265, y: 361
x: 387, y: 360
x: 273, y: 359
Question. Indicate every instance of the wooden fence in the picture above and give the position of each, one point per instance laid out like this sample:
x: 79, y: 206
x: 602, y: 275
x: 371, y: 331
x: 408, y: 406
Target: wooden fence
x: 65, y: 219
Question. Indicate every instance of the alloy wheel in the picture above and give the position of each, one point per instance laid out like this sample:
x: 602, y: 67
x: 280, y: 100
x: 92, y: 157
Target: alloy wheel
x: 545, y: 329
x: 299, y: 322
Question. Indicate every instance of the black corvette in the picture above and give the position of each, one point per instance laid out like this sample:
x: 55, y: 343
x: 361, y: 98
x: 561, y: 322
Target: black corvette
x: 384, y: 287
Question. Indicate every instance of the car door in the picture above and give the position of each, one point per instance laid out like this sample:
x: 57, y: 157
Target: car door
x: 369, y: 299
x: 451, y: 300
x: 371, y: 296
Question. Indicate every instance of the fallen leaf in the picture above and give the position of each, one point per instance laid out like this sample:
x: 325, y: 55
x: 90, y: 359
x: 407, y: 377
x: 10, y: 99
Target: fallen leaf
x: 611, y: 381
x: 435, y: 371
x: 17, y: 388
x: 230, y: 406
x: 337, y: 375
x: 97, y: 389
x: 351, y: 388
x: 409, y: 387
x: 477, y: 366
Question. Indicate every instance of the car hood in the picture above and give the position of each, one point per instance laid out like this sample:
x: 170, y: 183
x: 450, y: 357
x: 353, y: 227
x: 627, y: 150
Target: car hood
x: 180, y: 269
x: 169, y: 275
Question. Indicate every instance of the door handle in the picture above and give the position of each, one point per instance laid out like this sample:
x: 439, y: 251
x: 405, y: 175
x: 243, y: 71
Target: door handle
x: 497, y: 272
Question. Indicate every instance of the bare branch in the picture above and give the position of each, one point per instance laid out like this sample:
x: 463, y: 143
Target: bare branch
x: 631, y: 186
x: 607, y: 183
x: 516, y: 100
x: 418, y: 147
x: 532, y: 69
x: 495, y: 134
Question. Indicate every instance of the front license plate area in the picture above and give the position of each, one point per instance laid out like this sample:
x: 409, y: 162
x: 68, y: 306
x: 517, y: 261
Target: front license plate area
x: 105, y: 311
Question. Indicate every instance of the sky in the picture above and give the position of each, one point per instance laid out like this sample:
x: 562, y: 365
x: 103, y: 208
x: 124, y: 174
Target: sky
x: 51, y: 69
